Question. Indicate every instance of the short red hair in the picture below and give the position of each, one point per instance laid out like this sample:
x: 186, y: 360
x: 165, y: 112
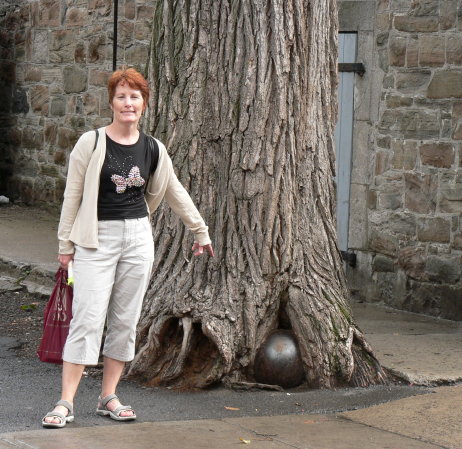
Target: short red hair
x: 133, y: 78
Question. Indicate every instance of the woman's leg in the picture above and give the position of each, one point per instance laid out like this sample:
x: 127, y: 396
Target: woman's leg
x: 131, y: 281
x: 94, y: 271
x: 111, y: 375
x: 72, y: 373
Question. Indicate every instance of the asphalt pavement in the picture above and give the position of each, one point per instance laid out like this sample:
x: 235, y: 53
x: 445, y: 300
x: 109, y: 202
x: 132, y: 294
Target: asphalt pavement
x: 423, y: 413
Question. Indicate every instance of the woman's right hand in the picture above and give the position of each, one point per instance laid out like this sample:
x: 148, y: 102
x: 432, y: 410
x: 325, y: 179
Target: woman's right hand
x: 64, y: 260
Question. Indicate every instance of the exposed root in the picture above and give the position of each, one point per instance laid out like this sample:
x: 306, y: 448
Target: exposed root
x: 249, y: 386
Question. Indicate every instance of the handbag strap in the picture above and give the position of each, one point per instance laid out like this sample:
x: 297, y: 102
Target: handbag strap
x: 96, y: 139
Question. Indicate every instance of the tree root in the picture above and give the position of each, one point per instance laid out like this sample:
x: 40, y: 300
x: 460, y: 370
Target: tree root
x: 249, y: 386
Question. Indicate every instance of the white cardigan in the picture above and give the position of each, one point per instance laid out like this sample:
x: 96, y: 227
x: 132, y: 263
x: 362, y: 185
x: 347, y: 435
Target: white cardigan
x: 79, y: 214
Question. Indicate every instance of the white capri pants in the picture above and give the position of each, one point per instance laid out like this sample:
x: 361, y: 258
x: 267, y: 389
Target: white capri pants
x: 110, y: 281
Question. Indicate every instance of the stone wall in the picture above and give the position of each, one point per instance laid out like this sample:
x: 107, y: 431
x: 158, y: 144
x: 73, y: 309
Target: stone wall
x: 409, y: 245
x: 56, y: 56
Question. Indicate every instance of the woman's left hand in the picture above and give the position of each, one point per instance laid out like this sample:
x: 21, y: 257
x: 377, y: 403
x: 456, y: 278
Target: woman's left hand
x: 199, y: 249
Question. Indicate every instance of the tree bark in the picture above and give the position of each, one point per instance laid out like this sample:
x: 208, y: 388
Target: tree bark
x: 245, y: 99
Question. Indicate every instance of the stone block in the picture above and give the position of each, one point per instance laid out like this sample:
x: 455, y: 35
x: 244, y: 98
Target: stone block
x: 400, y: 5
x: 453, y: 49
x: 383, y: 142
x: 437, y: 154
x: 413, y: 81
x: 383, y: 242
x: 31, y: 138
x: 383, y: 59
x: 58, y: 107
x: 389, y: 81
x: 39, y: 46
x: 412, y: 259
x: 96, y: 121
x: 90, y: 103
x: 457, y: 241
x: 66, y: 138
x: 397, y: 101
x: 445, y: 84
x: 397, y: 51
x: 444, y: 301
x: 75, y: 79
x: 49, y: 170
x: 46, y: 13
x: 382, y: 38
x: 382, y: 5
x: 80, y: 53
x: 383, y: 263
x: 25, y: 186
x: 457, y: 121
x: 404, y: 154
x: 448, y: 14
x: 381, y: 162
x: 390, y: 200
x: 434, y: 229
x: 33, y: 74
x: 446, y: 129
x: 76, y: 122
x: 401, y: 224
x: 391, y: 288
x: 63, y: 44
x: 451, y: 199
x: 39, y: 96
x: 52, y: 75
x: 102, y: 7
x: 60, y: 186
x: 50, y: 132
x: 76, y: 17
x: 147, y: 12
x: 130, y: 9
x: 96, y: 48
x: 412, y: 24
x: 59, y: 157
x: 432, y: 51
x: 421, y: 8
x: 125, y: 32
x: 78, y: 105
x: 372, y: 199
x: 383, y: 21
x: 137, y: 55
x: 420, y: 192
x: 143, y: 30
x: 443, y: 269
x: 409, y: 124
x: 99, y: 77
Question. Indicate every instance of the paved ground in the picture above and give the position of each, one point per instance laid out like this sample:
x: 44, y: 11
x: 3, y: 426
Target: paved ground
x: 424, y: 350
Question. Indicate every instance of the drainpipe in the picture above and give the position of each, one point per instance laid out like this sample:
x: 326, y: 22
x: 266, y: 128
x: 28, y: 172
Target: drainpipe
x: 114, y: 49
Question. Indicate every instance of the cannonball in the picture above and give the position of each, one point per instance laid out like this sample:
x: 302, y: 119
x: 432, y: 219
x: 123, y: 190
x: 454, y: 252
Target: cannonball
x: 278, y: 360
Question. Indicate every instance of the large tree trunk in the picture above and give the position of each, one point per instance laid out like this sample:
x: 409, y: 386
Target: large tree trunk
x: 245, y: 99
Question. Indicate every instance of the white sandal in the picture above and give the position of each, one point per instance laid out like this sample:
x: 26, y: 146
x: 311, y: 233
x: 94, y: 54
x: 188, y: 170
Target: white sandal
x: 63, y: 420
x: 114, y: 414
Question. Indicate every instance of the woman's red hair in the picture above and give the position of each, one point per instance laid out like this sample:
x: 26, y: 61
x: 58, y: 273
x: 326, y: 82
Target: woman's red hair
x: 133, y: 78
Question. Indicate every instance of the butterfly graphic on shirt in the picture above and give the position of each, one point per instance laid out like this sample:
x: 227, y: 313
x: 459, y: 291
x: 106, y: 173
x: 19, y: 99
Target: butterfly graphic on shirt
x: 134, y: 179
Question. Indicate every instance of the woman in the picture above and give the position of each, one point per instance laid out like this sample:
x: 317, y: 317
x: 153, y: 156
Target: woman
x: 117, y: 178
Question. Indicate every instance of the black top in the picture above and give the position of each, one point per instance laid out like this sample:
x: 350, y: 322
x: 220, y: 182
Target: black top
x: 124, y: 174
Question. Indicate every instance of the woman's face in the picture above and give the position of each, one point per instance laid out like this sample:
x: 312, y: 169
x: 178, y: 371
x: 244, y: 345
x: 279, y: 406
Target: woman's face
x: 127, y: 104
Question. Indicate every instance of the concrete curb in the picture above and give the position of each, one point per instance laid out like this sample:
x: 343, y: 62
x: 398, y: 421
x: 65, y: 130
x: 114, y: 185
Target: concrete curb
x: 32, y: 278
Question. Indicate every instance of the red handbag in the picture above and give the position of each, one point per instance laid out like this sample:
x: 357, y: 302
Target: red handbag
x: 56, y: 319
